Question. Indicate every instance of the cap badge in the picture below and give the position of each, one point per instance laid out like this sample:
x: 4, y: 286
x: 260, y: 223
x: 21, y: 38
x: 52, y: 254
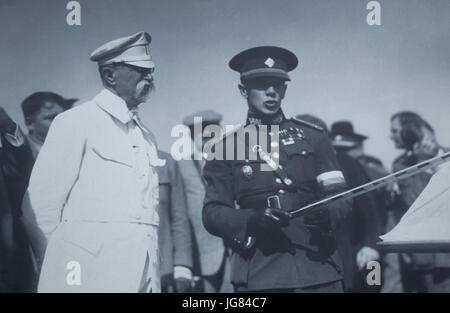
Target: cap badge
x: 269, y: 62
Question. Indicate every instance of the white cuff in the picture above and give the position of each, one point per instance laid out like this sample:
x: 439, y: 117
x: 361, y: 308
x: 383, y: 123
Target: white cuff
x: 180, y: 271
x: 18, y: 139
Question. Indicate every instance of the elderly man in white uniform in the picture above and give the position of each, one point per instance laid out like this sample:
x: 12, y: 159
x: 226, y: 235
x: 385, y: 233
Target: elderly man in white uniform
x: 93, y: 191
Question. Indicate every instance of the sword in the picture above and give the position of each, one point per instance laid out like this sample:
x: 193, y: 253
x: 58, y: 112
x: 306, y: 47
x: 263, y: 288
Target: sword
x: 378, y: 183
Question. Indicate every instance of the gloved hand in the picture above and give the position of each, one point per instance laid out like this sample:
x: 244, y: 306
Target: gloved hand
x: 318, y: 218
x: 366, y: 255
x: 7, y: 125
x: 183, y: 285
x: 267, y: 221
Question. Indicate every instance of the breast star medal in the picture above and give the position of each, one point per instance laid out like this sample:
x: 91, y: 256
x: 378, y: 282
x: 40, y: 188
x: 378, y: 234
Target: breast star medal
x: 247, y: 172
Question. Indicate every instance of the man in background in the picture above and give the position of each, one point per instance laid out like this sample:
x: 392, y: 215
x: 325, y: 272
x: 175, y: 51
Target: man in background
x: 364, y: 225
x: 356, y: 237
x: 211, y: 266
x: 174, y: 233
x: 385, y: 198
x: 39, y: 110
x: 422, y: 272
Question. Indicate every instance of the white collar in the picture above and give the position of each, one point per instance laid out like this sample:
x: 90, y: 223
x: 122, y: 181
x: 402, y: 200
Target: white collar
x: 114, y: 105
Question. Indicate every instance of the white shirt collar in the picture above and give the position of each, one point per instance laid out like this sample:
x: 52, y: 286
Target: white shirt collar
x: 114, y: 105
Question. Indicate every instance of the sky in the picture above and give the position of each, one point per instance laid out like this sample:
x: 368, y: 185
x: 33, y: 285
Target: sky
x: 348, y: 69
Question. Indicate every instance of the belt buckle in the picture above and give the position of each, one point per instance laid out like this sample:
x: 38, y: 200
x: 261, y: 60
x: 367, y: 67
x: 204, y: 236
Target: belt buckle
x: 273, y: 202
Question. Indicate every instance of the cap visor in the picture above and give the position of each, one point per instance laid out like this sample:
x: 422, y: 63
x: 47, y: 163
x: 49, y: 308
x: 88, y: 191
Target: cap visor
x: 360, y: 137
x: 266, y: 73
x: 144, y: 64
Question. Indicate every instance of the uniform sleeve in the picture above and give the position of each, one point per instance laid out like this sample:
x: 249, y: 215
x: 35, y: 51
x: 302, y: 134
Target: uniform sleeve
x: 220, y: 217
x: 6, y: 229
x: 330, y: 180
x: 181, y: 231
x: 56, y: 171
x: 17, y: 139
x: 16, y: 166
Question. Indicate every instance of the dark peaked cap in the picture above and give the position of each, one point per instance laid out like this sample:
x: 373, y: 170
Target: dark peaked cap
x: 345, y: 128
x: 265, y: 61
x: 344, y: 136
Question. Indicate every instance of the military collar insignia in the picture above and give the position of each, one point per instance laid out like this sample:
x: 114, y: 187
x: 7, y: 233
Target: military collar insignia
x: 255, y: 119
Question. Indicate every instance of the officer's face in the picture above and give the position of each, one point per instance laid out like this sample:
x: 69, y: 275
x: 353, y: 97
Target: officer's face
x: 396, y: 129
x: 264, y: 95
x: 133, y: 84
x: 39, y: 123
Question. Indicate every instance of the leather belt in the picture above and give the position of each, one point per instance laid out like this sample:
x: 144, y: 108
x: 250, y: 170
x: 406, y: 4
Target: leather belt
x: 288, y: 201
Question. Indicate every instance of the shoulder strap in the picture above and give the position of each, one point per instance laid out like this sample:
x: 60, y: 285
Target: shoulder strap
x: 305, y: 123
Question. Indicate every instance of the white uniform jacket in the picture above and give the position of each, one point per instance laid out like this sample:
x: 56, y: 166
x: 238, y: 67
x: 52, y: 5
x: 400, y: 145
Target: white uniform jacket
x: 94, y: 194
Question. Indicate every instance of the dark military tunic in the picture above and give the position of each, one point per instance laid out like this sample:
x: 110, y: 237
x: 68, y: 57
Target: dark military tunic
x: 295, y: 257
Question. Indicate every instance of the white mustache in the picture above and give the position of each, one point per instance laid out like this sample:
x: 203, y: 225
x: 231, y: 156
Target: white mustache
x: 143, y: 90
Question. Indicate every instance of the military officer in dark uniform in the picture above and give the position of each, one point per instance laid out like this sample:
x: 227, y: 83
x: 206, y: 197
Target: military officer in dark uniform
x: 274, y: 251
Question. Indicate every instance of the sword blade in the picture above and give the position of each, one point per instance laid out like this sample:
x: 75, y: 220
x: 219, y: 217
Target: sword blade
x: 378, y: 183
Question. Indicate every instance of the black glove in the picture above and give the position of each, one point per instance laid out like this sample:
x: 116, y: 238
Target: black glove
x: 267, y: 221
x: 7, y: 125
x: 318, y: 218
x: 183, y: 285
